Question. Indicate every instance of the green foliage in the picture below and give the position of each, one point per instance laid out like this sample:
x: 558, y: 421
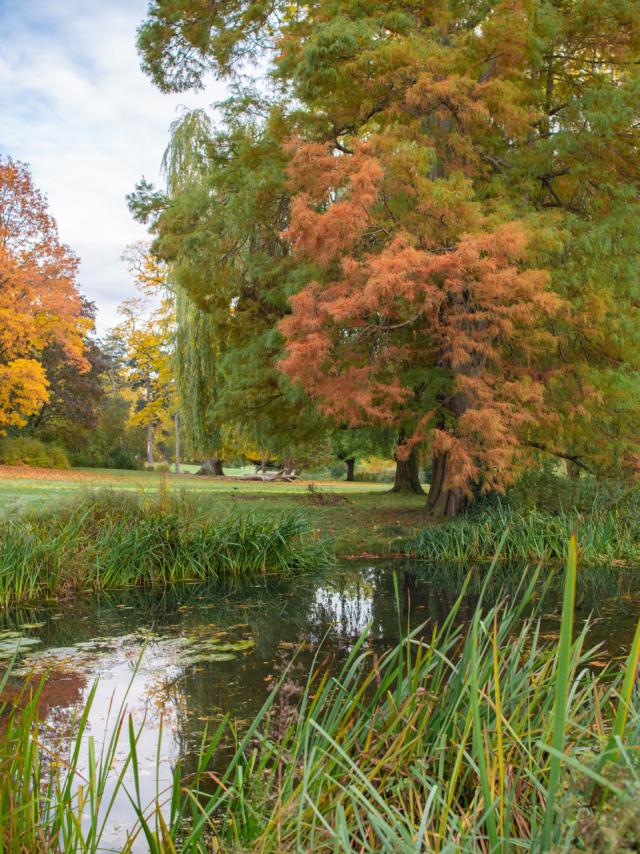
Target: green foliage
x: 606, y: 536
x: 548, y: 490
x: 219, y: 231
x: 26, y: 451
x: 113, y: 443
x: 117, y: 539
x: 477, y: 116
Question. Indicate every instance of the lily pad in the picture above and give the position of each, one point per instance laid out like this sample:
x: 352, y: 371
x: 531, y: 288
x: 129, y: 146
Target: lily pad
x: 219, y: 656
x: 31, y: 625
x: 235, y: 646
x: 8, y: 648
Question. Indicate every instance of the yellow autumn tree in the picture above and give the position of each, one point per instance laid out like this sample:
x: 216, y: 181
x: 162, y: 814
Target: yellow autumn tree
x: 39, y: 300
x: 148, y: 333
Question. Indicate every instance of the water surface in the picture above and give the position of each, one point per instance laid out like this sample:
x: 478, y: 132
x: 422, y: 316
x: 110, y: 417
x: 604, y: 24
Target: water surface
x: 182, y: 658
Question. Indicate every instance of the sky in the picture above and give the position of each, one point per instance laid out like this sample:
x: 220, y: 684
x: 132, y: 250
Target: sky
x: 76, y: 107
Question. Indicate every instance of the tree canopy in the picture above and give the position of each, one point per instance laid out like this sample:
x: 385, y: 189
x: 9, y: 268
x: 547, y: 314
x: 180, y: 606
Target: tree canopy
x: 40, y: 305
x: 432, y: 226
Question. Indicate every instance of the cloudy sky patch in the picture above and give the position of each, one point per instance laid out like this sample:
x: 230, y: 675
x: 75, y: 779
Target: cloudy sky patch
x: 76, y: 107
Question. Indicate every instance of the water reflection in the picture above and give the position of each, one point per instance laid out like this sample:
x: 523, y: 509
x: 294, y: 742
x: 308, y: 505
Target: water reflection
x: 181, y: 658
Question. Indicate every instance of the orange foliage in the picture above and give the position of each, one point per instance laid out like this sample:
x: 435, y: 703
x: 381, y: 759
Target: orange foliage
x: 39, y: 300
x: 472, y: 311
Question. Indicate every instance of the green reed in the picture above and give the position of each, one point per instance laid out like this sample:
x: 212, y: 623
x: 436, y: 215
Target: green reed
x: 104, y: 541
x: 606, y: 537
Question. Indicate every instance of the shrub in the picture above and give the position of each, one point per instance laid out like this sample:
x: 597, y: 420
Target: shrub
x: 26, y: 451
x: 375, y: 470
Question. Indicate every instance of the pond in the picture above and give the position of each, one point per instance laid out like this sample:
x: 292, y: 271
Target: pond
x: 181, y: 658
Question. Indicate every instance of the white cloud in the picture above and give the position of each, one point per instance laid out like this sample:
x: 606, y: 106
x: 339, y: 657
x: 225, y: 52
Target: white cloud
x: 75, y: 105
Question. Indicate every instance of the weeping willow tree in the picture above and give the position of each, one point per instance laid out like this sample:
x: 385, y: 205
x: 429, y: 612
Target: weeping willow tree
x: 196, y: 354
x: 185, y: 162
x: 219, y: 227
x: 186, y: 157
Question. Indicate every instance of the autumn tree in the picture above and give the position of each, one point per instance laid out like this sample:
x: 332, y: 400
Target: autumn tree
x: 468, y: 316
x: 75, y: 394
x: 462, y: 240
x: 40, y: 306
x: 503, y: 127
x: 147, y: 330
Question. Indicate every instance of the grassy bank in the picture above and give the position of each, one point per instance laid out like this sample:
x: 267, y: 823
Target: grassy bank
x: 366, y: 520
x: 357, y: 517
x: 605, y: 536
x: 108, y: 540
x: 486, y: 737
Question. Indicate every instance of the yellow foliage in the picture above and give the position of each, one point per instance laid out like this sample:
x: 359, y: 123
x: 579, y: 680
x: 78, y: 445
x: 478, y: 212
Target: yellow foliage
x: 23, y: 390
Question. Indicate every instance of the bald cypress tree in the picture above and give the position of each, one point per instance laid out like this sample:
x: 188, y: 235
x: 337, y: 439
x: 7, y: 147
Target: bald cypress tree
x: 464, y: 241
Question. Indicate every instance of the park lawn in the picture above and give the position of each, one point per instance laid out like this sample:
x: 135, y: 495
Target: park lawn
x: 362, y: 519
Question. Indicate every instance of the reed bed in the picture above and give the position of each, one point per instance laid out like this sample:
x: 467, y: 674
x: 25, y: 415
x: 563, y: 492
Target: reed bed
x: 480, y: 736
x: 607, y: 537
x: 109, y: 540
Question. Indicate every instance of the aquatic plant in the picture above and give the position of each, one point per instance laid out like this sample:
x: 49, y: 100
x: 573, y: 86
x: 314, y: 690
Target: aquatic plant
x: 606, y: 537
x: 108, y: 540
x: 478, y: 736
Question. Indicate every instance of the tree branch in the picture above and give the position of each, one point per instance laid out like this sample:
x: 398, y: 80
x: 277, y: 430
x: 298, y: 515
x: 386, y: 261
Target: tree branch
x: 572, y: 458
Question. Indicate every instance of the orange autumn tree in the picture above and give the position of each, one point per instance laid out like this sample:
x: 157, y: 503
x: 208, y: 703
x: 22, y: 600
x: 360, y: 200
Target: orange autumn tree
x: 39, y: 300
x: 455, y: 336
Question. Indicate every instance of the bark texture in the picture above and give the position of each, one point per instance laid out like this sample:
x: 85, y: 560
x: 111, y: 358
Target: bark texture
x: 150, y: 444
x: 407, y: 477
x: 212, y: 467
x: 442, y: 500
x: 176, y: 424
x: 351, y: 465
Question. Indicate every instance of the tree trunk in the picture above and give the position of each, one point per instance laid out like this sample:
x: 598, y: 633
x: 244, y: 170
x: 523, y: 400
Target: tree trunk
x: 212, y: 466
x: 149, y: 427
x: 150, y: 444
x: 351, y: 465
x: 176, y: 424
x: 444, y: 501
x: 407, y: 474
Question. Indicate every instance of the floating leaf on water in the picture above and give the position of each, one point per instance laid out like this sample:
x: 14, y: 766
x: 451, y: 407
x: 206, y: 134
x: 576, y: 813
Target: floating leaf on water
x: 8, y: 648
x: 236, y: 646
x: 201, y: 659
x: 96, y: 643
x: 31, y: 625
x: 4, y: 635
x: 227, y: 646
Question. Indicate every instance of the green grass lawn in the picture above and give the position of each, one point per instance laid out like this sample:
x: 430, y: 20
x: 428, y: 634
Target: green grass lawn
x: 361, y: 518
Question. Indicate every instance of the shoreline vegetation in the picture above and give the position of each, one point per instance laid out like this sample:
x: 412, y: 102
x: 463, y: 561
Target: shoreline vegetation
x: 478, y: 735
x: 606, y: 537
x: 56, y: 542
x: 106, y: 540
